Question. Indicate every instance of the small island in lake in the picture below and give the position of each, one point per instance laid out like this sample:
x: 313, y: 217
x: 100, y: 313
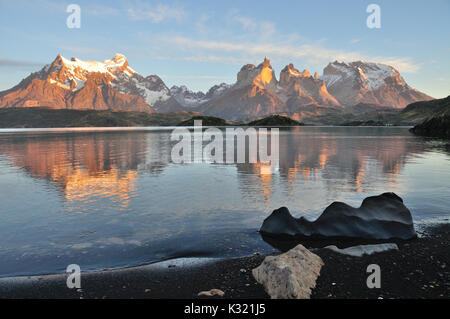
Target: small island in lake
x: 275, y: 120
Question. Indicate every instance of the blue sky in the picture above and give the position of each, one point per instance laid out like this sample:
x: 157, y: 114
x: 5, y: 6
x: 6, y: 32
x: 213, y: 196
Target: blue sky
x: 200, y: 43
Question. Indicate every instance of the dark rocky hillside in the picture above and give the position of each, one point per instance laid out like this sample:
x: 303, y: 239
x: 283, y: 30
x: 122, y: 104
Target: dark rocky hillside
x: 47, y: 118
x: 438, y: 122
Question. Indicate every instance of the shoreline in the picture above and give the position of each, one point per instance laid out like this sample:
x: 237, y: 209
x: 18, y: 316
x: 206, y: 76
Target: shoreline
x: 76, y: 129
x: 419, y: 269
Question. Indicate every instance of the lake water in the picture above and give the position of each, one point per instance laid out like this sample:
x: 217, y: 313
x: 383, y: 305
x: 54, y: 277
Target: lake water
x: 113, y: 198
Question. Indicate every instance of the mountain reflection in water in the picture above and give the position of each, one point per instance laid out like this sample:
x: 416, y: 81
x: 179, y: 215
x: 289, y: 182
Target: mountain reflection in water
x: 113, y: 198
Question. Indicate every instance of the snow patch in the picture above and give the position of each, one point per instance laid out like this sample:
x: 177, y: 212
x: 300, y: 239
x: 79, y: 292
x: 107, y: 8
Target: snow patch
x: 151, y: 97
x: 78, y: 68
x: 64, y: 86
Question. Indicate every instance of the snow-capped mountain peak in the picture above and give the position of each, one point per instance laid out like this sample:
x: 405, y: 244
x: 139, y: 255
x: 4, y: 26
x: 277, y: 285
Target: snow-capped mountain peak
x: 119, y: 75
x: 151, y: 88
x: 186, y: 97
x: 217, y: 90
x: 190, y: 99
x: 368, y: 82
x: 372, y: 75
x: 81, y: 84
x: 64, y: 72
x: 118, y: 59
x: 117, y: 64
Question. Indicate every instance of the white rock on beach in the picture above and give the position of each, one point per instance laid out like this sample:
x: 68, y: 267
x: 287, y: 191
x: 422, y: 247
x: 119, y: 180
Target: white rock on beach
x: 358, y: 251
x: 291, y: 275
x: 212, y: 292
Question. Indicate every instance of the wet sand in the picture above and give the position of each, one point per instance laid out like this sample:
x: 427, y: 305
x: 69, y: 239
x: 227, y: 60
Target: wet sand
x: 419, y: 269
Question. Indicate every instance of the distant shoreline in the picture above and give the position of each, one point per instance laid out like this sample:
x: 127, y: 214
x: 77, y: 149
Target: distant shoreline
x: 89, y: 129
x: 63, y: 118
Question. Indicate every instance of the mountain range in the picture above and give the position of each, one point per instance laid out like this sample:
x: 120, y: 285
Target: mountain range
x: 113, y: 85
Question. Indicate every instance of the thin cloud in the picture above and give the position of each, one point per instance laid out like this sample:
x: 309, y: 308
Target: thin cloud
x: 156, y: 14
x: 262, y: 28
x: 8, y: 63
x: 312, y: 53
x: 215, y: 59
x: 197, y: 77
x: 101, y: 10
x: 404, y: 65
x: 201, y: 23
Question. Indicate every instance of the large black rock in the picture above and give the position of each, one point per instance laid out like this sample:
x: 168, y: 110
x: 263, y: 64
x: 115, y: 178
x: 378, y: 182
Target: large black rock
x: 380, y: 217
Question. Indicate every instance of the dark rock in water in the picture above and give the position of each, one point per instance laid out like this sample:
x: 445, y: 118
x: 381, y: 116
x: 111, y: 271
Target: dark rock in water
x: 380, y: 217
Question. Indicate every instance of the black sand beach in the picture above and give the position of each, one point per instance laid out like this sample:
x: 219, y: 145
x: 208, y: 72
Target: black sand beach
x: 419, y: 269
